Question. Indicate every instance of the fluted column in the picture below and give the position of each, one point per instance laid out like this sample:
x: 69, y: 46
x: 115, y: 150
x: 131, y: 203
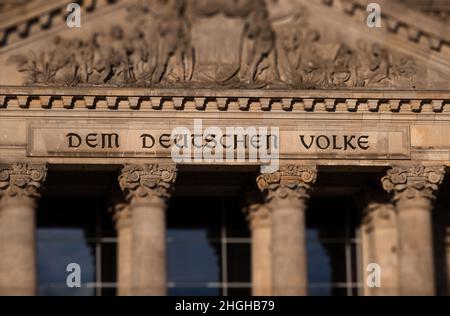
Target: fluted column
x: 19, y: 191
x: 122, y: 218
x: 414, y: 189
x: 287, y: 192
x: 258, y: 216
x: 147, y: 189
x: 380, y: 243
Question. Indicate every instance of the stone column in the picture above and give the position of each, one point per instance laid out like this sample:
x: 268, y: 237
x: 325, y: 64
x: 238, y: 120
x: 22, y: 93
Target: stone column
x: 122, y: 218
x: 258, y: 216
x: 19, y: 191
x: 414, y: 188
x: 147, y: 189
x: 380, y: 244
x: 287, y: 193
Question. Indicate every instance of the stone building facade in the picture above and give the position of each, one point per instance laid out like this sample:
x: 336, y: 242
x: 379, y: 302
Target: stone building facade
x: 362, y: 120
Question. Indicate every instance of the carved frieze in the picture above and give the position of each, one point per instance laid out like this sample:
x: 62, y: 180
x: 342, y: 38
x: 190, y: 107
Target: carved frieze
x: 21, y: 180
x: 413, y: 182
x: 160, y: 47
x: 147, y: 181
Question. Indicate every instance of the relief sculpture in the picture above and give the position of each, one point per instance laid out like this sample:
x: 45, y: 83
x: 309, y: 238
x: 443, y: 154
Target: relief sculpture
x: 157, y: 49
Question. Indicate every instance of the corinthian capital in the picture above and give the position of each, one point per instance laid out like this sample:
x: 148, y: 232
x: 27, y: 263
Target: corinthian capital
x: 413, y: 182
x: 21, y: 180
x: 292, y: 181
x: 147, y: 181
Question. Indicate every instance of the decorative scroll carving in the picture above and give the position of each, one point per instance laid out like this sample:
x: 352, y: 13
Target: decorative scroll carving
x: 158, y: 49
x: 413, y: 182
x: 21, y: 180
x: 292, y: 181
x: 147, y: 181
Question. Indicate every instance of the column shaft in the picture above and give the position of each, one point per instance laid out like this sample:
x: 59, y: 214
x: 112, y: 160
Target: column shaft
x: 261, y: 261
x: 147, y: 188
x: 287, y: 193
x: 289, y: 250
x: 149, y: 250
x: 258, y: 216
x: 122, y: 217
x: 19, y: 190
x: 380, y: 246
x: 414, y: 188
x: 416, y: 247
x: 17, y: 249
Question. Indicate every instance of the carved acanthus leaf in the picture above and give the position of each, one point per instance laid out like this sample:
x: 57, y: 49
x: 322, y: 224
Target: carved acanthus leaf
x: 292, y: 181
x: 147, y: 181
x: 21, y: 180
x: 413, y: 182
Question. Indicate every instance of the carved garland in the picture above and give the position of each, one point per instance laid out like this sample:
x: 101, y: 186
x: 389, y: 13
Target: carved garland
x: 292, y: 181
x: 413, y: 182
x: 147, y: 181
x: 21, y: 180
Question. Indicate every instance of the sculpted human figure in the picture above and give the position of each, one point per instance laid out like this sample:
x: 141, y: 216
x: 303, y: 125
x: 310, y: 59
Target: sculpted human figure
x: 175, y: 52
x: 141, y: 56
x: 260, y: 39
x: 277, y: 49
x: 343, y: 66
x: 61, y: 61
x: 118, y: 56
x: 379, y: 64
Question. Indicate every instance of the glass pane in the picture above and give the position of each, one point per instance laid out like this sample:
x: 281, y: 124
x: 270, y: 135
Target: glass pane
x: 109, y: 262
x: 56, y: 248
x: 193, y: 248
x: 329, y: 217
x: 239, y: 263
x: 191, y: 257
x: 326, y: 262
x: 77, y: 213
x: 235, y: 221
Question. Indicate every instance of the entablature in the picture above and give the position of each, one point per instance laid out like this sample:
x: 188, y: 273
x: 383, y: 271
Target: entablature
x: 223, y: 100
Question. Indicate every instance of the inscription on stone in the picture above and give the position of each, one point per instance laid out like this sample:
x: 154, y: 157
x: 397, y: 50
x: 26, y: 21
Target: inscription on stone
x: 345, y: 142
x: 139, y: 142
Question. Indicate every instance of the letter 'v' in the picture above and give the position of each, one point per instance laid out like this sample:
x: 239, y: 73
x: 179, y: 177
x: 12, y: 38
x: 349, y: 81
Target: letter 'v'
x: 302, y: 139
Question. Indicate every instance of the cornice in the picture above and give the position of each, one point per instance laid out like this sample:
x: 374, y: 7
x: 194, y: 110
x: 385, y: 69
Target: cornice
x: 264, y: 100
x: 40, y: 15
x: 403, y: 21
x: 409, y: 23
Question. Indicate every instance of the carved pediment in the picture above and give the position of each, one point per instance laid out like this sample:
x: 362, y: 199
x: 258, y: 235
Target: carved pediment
x: 219, y: 43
